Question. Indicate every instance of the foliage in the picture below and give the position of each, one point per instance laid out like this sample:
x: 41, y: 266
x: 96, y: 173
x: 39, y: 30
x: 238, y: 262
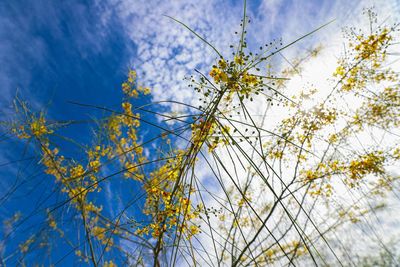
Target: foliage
x: 274, y: 193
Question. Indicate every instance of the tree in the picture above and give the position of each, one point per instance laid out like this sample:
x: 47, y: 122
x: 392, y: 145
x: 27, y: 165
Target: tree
x: 224, y: 186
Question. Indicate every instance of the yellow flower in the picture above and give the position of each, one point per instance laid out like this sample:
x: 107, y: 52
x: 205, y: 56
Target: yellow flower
x: 77, y: 171
x: 218, y: 75
x: 127, y: 107
x: 340, y: 71
x: 38, y: 127
x: 78, y: 253
x: 109, y: 264
x: 95, y: 165
x: 53, y: 224
x: 146, y: 91
x: 239, y: 60
x: 222, y: 63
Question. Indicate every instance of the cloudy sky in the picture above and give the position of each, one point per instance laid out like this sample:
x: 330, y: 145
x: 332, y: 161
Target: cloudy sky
x: 55, y: 52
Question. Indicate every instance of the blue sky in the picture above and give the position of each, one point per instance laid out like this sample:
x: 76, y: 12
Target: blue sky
x: 58, y: 52
x: 53, y: 52
x: 82, y: 49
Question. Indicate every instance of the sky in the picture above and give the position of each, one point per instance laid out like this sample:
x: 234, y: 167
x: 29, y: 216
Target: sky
x: 53, y: 53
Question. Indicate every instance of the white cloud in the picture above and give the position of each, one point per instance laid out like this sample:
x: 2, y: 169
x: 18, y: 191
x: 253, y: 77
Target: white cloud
x: 166, y: 51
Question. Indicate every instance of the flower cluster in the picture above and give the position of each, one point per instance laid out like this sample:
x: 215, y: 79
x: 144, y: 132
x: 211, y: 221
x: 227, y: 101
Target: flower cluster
x: 168, y: 200
x: 79, y: 180
x: 37, y: 127
x: 234, y: 77
x: 367, y: 56
x: 382, y: 109
x: 131, y: 88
